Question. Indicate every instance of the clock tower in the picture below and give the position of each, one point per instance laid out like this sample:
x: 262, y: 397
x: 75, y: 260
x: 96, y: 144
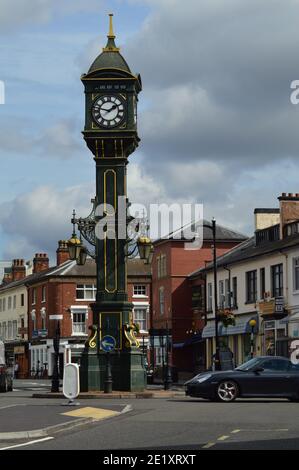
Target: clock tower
x: 110, y: 132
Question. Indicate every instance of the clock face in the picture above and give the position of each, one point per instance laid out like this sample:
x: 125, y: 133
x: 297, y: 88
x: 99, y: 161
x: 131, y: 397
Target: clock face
x: 108, y: 110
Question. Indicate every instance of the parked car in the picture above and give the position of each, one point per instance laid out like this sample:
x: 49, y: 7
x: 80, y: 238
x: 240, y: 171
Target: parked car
x: 6, y: 376
x: 264, y: 376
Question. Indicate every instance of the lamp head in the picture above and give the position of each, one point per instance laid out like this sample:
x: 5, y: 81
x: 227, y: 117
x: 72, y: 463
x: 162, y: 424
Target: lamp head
x: 144, y: 247
x: 74, y: 246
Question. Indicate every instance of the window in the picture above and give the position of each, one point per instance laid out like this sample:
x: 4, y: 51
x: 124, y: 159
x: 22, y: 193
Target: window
x: 33, y: 296
x: 0, y: 305
x: 9, y: 330
x: 14, y: 301
x: 251, y: 286
x: 33, y: 318
x: 262, y: 283
x: 221, y: 294
x: 44, y: 294
x: 275, y: 364
x: 163, y: 266
x: 9, y: 303
x: 22, y: 326
x: 22, y: 300
x: 209, y: 298
x: 295, y: 274
x: 4, y: 330
x: 0, y: 330
x: 86, y: 291
x: 14, y: 329
x: 43, y: 317
x: 159, y: 267
x: 235, y: 293
x: 277, y: 280
x: 79, y: 324
x: 4, y: 305
x: 227, y: 294
x: 161, y: 300
x: 139, y: 290
x: 140, y: 315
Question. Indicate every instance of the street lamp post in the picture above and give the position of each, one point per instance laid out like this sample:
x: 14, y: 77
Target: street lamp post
x: 55, y: 373
x: 217, y: 355
x: 168, y: 379
x: 252, y: 323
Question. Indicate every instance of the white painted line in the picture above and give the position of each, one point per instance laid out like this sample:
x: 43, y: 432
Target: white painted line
x: 126, y: 409
x: 208, y: 445
x: 27, y: 443
x: 222, y: 438
x: 264, y: 430
x: 10, y: 406
x: 235, y: 431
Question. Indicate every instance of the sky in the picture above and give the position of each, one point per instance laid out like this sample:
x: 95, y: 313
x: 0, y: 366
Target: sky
x: 216, y: 123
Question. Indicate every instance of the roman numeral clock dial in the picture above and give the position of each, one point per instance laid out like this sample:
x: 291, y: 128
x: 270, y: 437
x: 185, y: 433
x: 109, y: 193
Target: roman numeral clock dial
x: 109, y: 111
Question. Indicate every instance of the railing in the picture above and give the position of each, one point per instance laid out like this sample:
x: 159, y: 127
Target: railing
x: 269, y: 234
x: 79, y: 328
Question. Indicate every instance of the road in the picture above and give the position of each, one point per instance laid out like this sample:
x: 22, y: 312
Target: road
x: 157, y: 424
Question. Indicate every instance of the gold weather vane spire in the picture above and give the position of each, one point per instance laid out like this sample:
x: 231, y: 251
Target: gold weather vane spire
x: 111, y: 33
x: 110, y: 46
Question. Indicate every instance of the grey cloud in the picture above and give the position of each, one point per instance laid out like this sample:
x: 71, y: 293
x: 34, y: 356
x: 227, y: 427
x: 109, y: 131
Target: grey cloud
x: 217, y: 76
x: 18, y: 13
x: 38, y: 219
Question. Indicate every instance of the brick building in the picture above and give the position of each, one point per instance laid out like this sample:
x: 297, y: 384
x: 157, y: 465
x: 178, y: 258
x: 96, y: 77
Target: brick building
x: 174, y: 293
x: 66, y: 291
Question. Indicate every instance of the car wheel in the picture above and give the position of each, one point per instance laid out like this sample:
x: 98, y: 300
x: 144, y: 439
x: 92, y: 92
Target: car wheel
x: 227, y: 391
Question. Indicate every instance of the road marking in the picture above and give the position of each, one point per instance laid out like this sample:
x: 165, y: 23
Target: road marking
x: 89, y: 412
x: 222, y: 438
x: 264, y: 430
x: 208, y: 445
x: 235, y: 431
x: 127, y: 409
x: 10, y: 406
x: 27, y: 443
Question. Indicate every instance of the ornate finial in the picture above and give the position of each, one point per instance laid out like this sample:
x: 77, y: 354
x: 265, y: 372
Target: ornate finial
x: 111, y: 33
x: 110, y: 46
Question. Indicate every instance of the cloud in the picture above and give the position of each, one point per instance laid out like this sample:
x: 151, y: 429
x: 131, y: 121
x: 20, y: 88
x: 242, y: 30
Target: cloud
x: 60, y: 140
x: 36, y: 220
x: 17, y: 13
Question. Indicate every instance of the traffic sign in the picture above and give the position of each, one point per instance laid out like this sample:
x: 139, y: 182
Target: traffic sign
x: 108, y: 343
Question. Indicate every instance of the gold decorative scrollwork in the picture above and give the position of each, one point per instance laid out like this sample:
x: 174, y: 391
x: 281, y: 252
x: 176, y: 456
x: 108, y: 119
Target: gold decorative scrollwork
x: 92, y: 339
x: 130, y: 330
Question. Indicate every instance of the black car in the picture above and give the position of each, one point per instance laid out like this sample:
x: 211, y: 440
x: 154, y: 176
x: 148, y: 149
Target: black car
x: 265, y: 376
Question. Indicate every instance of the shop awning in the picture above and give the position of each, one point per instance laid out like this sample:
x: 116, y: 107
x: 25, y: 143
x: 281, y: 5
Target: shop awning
x: 240, y: 328
x: 192, y: 340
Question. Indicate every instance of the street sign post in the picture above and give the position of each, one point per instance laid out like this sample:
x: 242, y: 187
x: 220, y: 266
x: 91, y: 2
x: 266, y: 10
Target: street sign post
x: 108, y: 344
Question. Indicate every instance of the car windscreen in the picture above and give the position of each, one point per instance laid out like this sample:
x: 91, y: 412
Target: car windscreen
x: 249, y: 364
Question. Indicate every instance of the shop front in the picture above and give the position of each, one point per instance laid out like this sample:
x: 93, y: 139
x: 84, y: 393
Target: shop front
x: 235, y: 337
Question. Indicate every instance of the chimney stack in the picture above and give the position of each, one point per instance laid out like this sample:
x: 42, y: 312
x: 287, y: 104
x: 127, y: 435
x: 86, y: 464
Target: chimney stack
x: 18, y: 269
x: 289, y: 209
x: 265, y: 218
x: 7, y: 278
x: 40, y: 262
x: 62, y: 252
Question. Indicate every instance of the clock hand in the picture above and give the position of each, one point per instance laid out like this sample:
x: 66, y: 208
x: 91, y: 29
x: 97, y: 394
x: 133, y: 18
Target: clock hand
x: 110, y: 109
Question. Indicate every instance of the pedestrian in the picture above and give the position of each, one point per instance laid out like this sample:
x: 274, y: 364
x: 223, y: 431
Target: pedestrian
x: 16, y: 370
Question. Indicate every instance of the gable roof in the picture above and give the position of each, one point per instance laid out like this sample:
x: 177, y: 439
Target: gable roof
x: 249, y: 250
x: 223, y: 234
